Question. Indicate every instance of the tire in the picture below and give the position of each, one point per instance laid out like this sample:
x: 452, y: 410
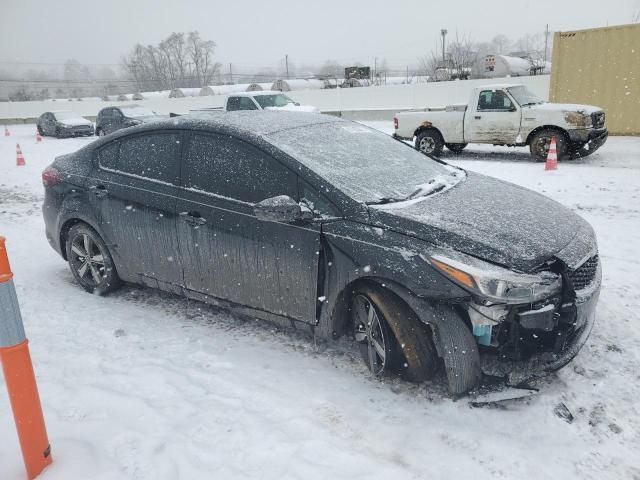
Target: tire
x: 56, y: 133
x: 396, y: 332
x: 429, y: 142
x: 456, y: 147
x: 40, y: 131
x: 100, y: 132
x: 539, y: 145
x: 99, y: 275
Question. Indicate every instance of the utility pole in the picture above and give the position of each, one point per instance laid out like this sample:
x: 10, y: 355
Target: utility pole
x: 443, y: 32
x: 546, y: 43
x: 286, y: 63
x: 375, y: 68
x: 407, y: 74
x: 230, y: 73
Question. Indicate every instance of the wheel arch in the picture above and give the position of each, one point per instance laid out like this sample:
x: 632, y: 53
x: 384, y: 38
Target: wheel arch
x: 66, y: 226
x: 425, y: 126
x: 537, y: 130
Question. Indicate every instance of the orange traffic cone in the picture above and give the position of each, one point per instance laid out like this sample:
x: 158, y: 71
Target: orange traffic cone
x: 38, y: 137
x: 7, y: 133
x: 552, y: 156
x: 19, y: 157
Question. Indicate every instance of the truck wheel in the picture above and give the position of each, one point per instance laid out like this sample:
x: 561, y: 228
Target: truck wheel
x: 456, y: 147
x: 539, y: 145
x: 391, y: 338
x: 429, y: 142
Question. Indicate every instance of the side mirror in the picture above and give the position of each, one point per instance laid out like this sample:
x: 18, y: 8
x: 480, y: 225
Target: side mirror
x: 278, y: 209
x: 297, y: 104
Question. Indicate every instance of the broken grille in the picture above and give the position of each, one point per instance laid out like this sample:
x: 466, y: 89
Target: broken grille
x: 582, y: 276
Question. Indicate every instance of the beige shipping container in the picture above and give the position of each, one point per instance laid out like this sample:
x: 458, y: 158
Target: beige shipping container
x: 600, y: 67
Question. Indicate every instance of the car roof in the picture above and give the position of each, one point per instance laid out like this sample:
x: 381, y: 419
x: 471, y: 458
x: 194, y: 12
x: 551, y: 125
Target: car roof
x: 256, y: 123
x: 499, y: 86
x: 255, y: 93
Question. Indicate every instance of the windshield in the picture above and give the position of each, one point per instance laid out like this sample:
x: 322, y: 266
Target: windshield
x: 524, y: 96
x: 137, y: 112
x: 66, y: 115
x: 277, y: 100
x: 365, y: 164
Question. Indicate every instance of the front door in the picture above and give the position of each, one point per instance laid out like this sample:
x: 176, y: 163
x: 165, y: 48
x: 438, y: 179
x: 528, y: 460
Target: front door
x: 226, y: 251
x: 134, y: 192
x: 496, y: 119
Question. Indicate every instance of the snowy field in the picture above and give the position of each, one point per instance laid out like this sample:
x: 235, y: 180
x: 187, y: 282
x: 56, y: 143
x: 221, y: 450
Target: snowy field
x: 146, y: 385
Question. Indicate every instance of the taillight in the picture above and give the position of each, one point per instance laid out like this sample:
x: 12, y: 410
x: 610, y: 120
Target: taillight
x: 395, y: 122
x: 50, y: 177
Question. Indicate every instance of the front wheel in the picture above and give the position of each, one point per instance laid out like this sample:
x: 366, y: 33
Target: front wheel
x: 40, y: 131
x: 429, y: 142
x: 391, y: 339
x: 90, y: 260
x: 539, y: 146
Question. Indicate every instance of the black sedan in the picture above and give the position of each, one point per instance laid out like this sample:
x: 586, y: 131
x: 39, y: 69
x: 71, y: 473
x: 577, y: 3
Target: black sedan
x: 316, y: 222
x: 111, y: 119
x: 64, y: 124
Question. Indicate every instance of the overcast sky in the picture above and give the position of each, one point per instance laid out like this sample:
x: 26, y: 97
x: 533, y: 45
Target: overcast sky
x: 255, y: 34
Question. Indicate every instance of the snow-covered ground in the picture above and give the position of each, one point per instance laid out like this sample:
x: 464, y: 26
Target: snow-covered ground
x: 146, y: 385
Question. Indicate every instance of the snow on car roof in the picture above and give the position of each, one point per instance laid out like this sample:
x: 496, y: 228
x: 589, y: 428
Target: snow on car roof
x: 256, y: 93
x: 499, y: 86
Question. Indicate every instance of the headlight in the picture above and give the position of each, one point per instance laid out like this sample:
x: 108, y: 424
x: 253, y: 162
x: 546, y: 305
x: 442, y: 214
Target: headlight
x: 495, y: 284
x: 578, y: 119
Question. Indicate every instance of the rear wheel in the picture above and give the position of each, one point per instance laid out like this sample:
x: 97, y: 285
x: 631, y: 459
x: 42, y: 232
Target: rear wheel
x: 429, y: 142
x: 40, y: 131
x: 100, y: 132
x: 90, y: 260
x: 539, y: 146
x: 456, y: 147
x: 392, y: 340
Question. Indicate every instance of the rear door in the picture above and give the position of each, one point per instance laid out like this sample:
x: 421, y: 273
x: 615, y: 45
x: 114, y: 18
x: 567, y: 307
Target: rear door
x: 495, y: 118
x: 226, y: 251
x: 134, y: 192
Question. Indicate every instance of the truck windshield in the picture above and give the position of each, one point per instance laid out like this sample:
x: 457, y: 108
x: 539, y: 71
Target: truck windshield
x: 364, y: 163
x: 277, y: 100
x: 524, y: 96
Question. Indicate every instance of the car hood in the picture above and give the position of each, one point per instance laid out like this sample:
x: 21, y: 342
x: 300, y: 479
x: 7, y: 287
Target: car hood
x: 494, y: 220
x: 296, y: 108
x: 564, y: 107
x: 74, y: 122
x: 150, y: 118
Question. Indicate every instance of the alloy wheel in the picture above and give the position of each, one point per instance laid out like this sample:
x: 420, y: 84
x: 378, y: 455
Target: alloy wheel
x: 370, y: 333
x: 87, y: 259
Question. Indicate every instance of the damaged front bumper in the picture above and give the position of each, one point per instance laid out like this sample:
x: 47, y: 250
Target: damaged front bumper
x: 587, y: 141
x: 538, y: 342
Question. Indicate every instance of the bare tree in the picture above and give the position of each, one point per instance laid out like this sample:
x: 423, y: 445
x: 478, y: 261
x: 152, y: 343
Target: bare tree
x: 500, y: 43
x: 201, y: 54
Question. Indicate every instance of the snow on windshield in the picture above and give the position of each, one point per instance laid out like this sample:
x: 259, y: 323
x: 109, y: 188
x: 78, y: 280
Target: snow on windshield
x: 137, y: 112
x: 266, y: 101
x: 524, y: 96
x: 365, y: 164
x: 66, y: 115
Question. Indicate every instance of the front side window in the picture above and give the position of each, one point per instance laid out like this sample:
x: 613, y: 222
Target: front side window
x: 247, y: 104
x: 317, y: 203
x: 136, y: 111
x: 230, y: 168
x: 154, y: 156
x: 233, y: 104
x: 494, y: 100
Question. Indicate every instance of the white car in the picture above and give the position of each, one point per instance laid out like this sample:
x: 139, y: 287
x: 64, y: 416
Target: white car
x: 260, y: 100
x: 505, y: 114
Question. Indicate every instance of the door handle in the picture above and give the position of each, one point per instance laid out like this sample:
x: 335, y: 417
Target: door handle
x: 99, y: 191
x: 477, y: 117
x: 194, y: 218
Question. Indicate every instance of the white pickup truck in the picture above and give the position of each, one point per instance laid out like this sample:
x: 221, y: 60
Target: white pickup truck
x: 260, y: 100
x: 505, y: 115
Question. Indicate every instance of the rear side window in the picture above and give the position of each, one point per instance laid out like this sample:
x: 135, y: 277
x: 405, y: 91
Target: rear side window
x: 108, y: 156
x: 228, y: 167
x: 233, y: 103
x: 246, y: 103
x: 155, y: 156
